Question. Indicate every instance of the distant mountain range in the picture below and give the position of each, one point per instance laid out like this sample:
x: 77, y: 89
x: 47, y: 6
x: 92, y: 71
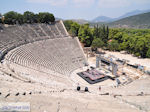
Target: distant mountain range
x: 108, y: 19
x: 136, y: 21
x: 80, y: 21
x: 102, y: 19
x: 135, y: 12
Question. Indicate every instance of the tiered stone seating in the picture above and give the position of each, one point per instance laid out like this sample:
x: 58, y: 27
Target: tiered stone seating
x: 38, y: 30
x: 55, y: 54
x: 41, y: 47
x: 54, y: 29
x: 47, y: 30
x: 16, y: 35
x: 17, y: 30
x: 29, y: 31
x: 61, y: 28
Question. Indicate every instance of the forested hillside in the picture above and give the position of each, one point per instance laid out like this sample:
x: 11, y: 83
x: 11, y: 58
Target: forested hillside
x: 137, y: 21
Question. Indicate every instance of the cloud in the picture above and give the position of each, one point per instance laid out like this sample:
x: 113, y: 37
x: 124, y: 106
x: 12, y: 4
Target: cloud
x: 120, y: 3
x: 113, y: 3
x: 83, y: 2
x: 77, y: 3
x: 142, y: 1
x: 51, y: 2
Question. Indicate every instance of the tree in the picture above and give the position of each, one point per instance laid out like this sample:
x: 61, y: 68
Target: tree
x: 102, y: 33
x: 113, y: 32
x: 74, y: 29
x: 0, y: 18
x: 118, y: 37
x: 85, y: 35
x: 29, y: 17
x: 113, y: 45
x: 45, y: 17
x: 148, y: 53
x: 140, y: 46
x: 107, y: 33
x: 10, y: 17
x: 124, y: 45
x: 97, y: 43
x: 97, y: 32
x: 68, y: 24
x: 20, y: 19
x: 36, y: 18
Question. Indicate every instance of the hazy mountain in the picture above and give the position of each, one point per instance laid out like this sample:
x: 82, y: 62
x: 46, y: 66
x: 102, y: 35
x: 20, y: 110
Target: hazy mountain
x: 108, y: 19
x: 102, y: 19
x: 80, y: 21
x: 136, y: 21
x: 132, y: 13
x: 57, y: 19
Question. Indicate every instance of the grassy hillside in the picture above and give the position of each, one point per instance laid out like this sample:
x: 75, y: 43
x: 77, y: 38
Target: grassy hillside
x: 137, y: 21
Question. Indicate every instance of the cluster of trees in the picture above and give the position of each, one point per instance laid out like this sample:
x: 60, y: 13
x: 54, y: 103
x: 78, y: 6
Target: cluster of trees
x: 134, y: 41
x: 27, y: 17
x: 95, y: 37
x: 101, y: 36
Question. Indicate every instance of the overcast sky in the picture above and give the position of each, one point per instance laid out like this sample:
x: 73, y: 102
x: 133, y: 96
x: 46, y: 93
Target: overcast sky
x: 75, y: 9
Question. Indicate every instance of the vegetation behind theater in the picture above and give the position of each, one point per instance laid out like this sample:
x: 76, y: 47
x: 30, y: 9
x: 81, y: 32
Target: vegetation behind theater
x: 134, y: 41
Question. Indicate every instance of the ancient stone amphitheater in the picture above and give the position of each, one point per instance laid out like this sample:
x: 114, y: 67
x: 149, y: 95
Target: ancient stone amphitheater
x: 39, y: 63
x: 42, y: 48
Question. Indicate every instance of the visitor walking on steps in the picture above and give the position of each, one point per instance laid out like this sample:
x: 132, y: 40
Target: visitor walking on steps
x: 78, y: 87
x: 100, y: 88
x: 86, y: 89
